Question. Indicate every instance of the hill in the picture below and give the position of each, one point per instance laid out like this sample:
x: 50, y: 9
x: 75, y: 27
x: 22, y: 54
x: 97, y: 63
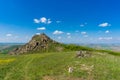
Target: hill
x: 38, y: 43
x: 42, y: 43
x: 59, y: 62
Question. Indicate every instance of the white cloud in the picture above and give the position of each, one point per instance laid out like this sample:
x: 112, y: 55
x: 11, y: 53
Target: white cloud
x: 49, y: 21
x: 83, y: 33
x: 37, y: 33
x: 36, y: 21
x: 105, y: 38
x: 107, y: 31
x: 41, y: 28
x: 68, y: 33
x: 8, y: 35
x: 43, y: 20
x: 100, y: 38
x: 104, y: 24
x: 108, y: 38
x: 59, y: 37
x: 58, y: 32
x: 82, y: 25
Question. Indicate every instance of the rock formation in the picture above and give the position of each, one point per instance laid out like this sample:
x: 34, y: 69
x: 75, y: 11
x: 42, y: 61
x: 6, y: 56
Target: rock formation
x: 38, y: 43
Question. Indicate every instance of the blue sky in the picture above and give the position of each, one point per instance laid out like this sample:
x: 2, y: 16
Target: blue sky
x: 68, y: 21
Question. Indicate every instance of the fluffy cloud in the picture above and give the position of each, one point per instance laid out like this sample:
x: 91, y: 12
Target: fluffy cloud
x: 83, y: 33
x: 41, y: 28
x: 49, y: 21
x: 104, y: 24
x: 68, y: 34
x: 107, y: 31
x: 105, y: 38
x: 59, y: 37
x: 8, y: 35
x: 100, y: 38
x: 82, y: 25
x: 58, y: 32
x: 43, y: 20
x: 36, y: 21
x: 37, y: 33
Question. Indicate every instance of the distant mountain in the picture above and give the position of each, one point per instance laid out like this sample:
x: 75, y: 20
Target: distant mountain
x: 7, y: 45
x: 104, y: 46
x: 9, y: 48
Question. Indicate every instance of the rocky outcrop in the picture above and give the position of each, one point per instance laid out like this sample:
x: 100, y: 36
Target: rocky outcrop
x: 39, y: 43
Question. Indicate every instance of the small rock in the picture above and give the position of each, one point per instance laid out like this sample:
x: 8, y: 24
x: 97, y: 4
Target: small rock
x: 70, y: 69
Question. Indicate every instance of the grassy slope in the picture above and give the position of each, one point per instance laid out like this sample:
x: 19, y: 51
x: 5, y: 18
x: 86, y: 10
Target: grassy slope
x: 54, y: 66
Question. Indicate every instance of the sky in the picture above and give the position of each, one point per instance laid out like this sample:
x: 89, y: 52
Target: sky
x: 67, y: 21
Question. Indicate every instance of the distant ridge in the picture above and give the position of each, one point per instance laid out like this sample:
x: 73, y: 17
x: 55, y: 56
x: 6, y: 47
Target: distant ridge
x: 38, y: 43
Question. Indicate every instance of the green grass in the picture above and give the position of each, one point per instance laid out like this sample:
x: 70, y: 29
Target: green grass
x: 54, y: 66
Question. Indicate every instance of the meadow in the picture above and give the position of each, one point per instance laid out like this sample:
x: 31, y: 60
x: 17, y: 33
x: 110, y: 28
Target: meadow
x: 55, y: 65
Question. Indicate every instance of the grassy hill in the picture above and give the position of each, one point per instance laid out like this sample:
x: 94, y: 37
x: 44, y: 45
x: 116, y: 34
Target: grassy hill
x: 46, y: 59
x: 55, y: 65
x: 42, y: 43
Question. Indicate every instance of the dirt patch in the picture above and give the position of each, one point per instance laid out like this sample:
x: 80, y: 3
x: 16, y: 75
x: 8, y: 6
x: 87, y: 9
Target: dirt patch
x: 60, y: 78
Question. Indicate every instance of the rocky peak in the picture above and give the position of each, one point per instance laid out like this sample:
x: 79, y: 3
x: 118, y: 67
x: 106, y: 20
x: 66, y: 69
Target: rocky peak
x: 38, y: 43
x: 40, y: 37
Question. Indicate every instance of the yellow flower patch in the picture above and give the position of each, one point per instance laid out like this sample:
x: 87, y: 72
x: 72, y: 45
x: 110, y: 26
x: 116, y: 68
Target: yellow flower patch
x: 4, y: 61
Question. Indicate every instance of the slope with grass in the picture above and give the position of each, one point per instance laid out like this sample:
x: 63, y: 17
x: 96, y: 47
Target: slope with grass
x: 54, y: 66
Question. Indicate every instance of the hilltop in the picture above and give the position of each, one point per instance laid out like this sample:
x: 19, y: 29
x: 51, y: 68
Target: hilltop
x: 38, y: 43
x: 42, y: 43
